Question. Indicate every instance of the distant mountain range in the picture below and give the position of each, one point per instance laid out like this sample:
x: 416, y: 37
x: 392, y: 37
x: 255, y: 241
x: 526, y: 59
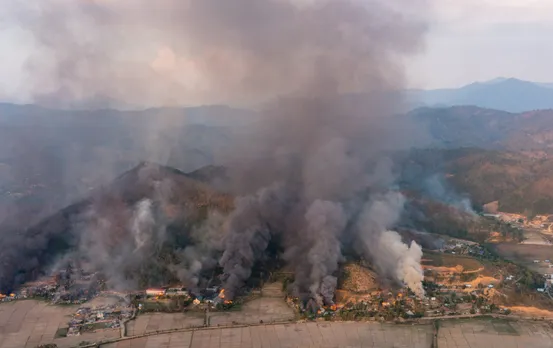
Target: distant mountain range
x: 507, y: 94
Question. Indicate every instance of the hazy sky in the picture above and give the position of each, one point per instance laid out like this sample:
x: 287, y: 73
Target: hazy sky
x: 468, y: 40
x: 476, y: 40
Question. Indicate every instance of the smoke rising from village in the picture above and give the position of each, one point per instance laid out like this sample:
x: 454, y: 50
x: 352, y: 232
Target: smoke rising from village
x: 312, y: 169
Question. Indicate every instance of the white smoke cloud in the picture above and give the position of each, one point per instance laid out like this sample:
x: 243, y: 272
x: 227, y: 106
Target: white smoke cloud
x: 143, y: 223
x: 385, y: 248
x: 406, y: 260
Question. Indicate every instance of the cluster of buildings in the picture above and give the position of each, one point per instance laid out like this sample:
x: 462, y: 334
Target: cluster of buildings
x: 464, y: 247
x: 102, y: 317
x: 62, y: 288
x: 200, y: 299
x: 209, y: 294
x: 538, y: 221
x: 172, y: 291
x: 7, y: 298
x: 461, y: 300
x: 377, y: 305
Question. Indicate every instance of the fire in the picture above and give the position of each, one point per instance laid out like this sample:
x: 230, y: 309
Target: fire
x: 228, y: 302
x: 222, y: 293
x: 333, y: 307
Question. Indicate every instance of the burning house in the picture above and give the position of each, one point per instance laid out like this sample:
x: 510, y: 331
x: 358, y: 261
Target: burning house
x: 177, y: 291
x: 156, y: 292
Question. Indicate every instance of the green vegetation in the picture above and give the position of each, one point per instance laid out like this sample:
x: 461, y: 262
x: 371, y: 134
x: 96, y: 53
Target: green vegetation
x: 61, y: 332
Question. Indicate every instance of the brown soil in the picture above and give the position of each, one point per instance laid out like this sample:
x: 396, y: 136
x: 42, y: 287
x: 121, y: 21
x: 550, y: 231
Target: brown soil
x: 358, y: 279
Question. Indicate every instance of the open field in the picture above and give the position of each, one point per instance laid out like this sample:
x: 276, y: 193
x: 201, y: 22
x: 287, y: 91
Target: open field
x: 30, y: 323
x: 489, y: 333
x: 151, y: 322
x: 525, y: 254
x: 457, y: 333
x: 440, y: 260
x: 265, y: 309
x: 535, y: 237
x: 344, y: 334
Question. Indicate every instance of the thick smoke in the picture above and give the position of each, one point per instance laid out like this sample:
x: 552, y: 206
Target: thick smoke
x: 202, y: 253
x: 384, y: 247
x: 327, y: 138
x: 325, y: 222
x: 313, y: 168
x: 249, y: 232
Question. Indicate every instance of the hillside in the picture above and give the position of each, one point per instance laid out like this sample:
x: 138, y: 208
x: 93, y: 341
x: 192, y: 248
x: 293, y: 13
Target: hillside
x: 520, y: 181
x: 114, y: 220
x: 507, y: 94
x: 469, y: 126
x: 51, y: 158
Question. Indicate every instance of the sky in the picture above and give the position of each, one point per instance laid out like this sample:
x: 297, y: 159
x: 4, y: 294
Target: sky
x: 478, y: 40
x: 466, y: 41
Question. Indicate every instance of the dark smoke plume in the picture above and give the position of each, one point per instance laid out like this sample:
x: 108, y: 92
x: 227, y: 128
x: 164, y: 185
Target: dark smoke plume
x: 314, y: 164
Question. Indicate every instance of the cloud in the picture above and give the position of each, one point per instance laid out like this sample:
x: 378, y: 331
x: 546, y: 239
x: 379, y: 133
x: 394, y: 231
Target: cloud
x: 484, y: 13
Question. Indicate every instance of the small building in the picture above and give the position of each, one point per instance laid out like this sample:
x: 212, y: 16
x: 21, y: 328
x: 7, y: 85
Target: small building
x: 154, y: 292
x: 177, y: 291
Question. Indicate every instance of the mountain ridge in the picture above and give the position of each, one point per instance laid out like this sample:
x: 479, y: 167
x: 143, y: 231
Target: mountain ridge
x: 507, y: 94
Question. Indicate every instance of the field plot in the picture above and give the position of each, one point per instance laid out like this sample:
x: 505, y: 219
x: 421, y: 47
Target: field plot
x: 30, y: 323
x: 526, y: 254
x: 439, y: 260
x: 328, y: 335
x: 487, y: 333
x: 151, y: 322
x: 265, y: 309
x: 535, y: 237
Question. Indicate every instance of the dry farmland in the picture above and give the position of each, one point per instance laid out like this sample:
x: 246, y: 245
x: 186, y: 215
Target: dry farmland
x: 436, y: 260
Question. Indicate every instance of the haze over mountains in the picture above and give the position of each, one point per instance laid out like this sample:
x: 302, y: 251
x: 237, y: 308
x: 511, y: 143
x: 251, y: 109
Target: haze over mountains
x: 507, y: 94
x: 56, y: 156
x: 51, y: 158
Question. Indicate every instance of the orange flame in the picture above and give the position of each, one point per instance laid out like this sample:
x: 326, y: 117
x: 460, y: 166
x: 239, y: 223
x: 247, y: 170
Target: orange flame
x: 228, y: 302
x: 333, y: 307
x: 222, y: 293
